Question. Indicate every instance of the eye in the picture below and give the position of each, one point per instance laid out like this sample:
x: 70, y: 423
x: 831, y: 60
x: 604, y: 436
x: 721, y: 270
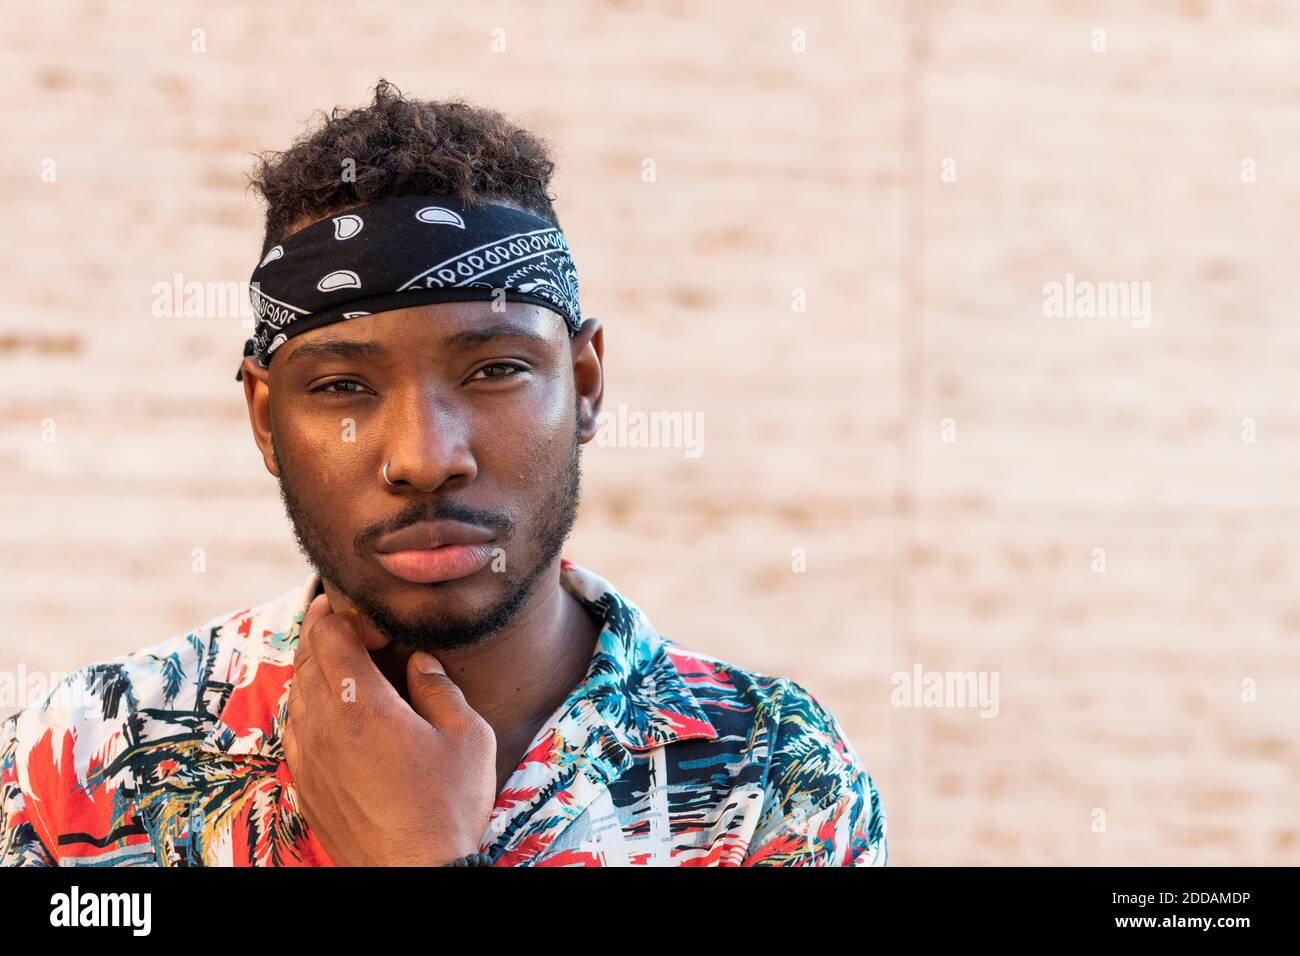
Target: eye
x: 510, y: 371
x: 328, y: 389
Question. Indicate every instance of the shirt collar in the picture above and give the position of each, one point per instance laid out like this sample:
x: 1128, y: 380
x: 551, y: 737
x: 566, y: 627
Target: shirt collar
x: 633, y: 681
x: 633, y: 687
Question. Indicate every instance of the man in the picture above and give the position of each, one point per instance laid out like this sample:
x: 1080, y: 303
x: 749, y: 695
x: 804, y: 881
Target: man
x: 444, y: 689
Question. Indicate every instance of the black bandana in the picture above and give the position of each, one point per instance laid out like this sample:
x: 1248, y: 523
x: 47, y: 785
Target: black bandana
x: 410, y: 250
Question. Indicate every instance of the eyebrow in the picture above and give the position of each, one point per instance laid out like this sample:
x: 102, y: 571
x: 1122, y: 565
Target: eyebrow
x: 459, y: 341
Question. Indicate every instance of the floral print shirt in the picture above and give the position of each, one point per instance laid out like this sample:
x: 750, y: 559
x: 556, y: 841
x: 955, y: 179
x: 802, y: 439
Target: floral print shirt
x: 171, y: 756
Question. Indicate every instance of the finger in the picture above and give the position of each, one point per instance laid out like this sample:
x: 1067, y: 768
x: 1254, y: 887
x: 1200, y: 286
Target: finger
x: 318, y: 609
x: 296, y: 771
x: 306, y: 676
x: 339, y: 653
x: 289, y: 743
x: 434, y: 695
x: 294, y: 705
x: 371, y: 636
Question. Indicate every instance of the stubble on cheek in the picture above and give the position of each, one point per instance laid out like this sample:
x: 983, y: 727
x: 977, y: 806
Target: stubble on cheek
x: 306, y: 497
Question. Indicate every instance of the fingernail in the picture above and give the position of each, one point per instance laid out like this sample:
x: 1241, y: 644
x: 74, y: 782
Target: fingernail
x: 426, y: 663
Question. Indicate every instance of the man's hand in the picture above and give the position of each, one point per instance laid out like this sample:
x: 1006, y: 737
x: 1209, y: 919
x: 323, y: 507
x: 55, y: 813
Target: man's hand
x: 381, y: 782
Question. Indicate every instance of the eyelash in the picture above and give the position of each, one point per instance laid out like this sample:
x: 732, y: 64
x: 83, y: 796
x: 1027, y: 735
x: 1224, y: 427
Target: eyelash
x: 492, y: 378
x: 326, y: 388
x: 338, y: 381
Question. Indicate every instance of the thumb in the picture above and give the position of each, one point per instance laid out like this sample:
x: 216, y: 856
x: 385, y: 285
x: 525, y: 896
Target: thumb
x: 434, y: 695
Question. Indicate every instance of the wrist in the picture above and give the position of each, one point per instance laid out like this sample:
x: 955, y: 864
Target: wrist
x: 471, y: 859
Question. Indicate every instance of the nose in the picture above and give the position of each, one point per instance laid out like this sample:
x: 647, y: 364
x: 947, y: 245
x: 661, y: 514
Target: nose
x: 429, y: 448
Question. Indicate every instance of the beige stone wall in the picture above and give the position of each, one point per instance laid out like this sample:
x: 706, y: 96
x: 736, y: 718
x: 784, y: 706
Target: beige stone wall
x: 824, y: 430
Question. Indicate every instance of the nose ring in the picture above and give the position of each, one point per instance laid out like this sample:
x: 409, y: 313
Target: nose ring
x: 386, y: 478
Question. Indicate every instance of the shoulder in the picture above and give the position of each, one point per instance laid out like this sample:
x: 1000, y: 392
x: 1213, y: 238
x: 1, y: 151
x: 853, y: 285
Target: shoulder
x: 798, y: 728
x: 69, y: 741
x: 813, y: 777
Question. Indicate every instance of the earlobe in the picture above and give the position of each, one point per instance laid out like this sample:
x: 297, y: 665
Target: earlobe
x: 269, y: 459
x: 586, y: 425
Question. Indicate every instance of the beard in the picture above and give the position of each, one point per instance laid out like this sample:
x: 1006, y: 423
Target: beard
x: 437, y: 630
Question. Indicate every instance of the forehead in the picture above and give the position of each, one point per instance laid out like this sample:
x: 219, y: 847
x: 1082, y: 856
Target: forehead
x: 446, y: 328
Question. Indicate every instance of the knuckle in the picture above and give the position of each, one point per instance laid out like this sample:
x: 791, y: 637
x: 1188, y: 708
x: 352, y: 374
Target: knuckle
x: 472, y: 730
x: 440, y: 684
x: 323, y: 630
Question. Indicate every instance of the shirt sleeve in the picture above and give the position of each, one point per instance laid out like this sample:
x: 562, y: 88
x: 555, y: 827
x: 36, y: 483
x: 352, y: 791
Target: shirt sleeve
x: 19, y: 843
x: 821, y: 808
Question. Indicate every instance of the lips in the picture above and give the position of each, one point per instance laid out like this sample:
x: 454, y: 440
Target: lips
x: 428, y: 535
x: 447, y: 563
x: 434, y: 551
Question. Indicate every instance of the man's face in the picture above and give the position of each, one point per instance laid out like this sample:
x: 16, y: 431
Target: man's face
x: 480, y: 428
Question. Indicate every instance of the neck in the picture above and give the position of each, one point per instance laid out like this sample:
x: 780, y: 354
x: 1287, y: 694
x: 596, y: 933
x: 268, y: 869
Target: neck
x: 517, y: 677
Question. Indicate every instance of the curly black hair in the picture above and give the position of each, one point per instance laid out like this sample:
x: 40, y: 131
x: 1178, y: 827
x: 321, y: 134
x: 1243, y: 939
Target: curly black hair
x: 402, y: 147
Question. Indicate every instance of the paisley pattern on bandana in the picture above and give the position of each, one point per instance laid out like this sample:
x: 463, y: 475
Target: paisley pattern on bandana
x: 404, y: 251
x: 171, y: 756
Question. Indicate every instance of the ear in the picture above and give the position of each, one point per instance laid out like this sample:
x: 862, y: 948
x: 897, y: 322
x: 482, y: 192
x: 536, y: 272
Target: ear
x: 588, y: 375
x: 257, y: 392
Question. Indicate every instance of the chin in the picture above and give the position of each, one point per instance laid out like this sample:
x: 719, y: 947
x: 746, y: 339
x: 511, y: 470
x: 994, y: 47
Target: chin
x: 459, y: 596
x: 422, y: 622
